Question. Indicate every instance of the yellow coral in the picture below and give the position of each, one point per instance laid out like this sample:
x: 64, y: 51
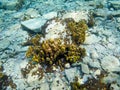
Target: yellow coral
x: 54, y: 52
x: 77, y: 30
x: 29, y: 51
x: 35, y: 58
x: 1, y: 75
x: 36, y: 39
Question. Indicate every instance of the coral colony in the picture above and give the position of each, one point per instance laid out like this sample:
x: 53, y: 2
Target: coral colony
x: 53, y: 52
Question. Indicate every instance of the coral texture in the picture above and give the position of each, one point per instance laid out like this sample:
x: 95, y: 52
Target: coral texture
x: 55, y: 52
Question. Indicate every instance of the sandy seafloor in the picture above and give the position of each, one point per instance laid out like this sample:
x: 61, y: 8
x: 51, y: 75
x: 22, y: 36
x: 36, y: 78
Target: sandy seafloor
x: 102, y: 42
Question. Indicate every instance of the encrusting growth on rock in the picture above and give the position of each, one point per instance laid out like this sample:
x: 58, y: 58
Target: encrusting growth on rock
x: 91, y: 84
x: 6, y: 81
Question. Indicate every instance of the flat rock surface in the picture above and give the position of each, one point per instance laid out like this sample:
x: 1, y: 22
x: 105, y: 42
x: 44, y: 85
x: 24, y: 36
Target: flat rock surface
x: 10, y: 4
x: 33, y: 25
x: 85, y: 68
x: 110, y: 63
x: 4, y: 43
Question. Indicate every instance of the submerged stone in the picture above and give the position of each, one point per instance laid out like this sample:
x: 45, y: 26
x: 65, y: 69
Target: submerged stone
x: 116, y: 13
x: 11, y: 4
x: 91, y: 39
x: 4, y: 43
x: 71, y: 73
x: 50, y: 15
x: 110, y: 63
x: 85, y: 68
x: 33, y: 25
x: 114, y: 4
x: 58, y: 84
x: 30, y: 14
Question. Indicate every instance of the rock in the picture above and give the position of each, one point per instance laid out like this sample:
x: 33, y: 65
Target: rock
x: 11, y: 68
x: 18, y: 15
x: 110, y: 63
x: 60, y: 2
x: 112, y: 77
x: 21, y: 84
x: 118, y: 24
x: 58, y: 84
x: 6, y: 4
x: 50, y: 77
x: 94, y: 55
x: 112, y: 40
x: 11, y: 4
x: 13, y: 31
x: 15, y: 48
x: 50, y: 15
x: 30, y: 88
x: 45, y: 86
x: 107, y: 33
x: 87, y: 59
x: 23, y: 64
x: 1, y: 21
x: 114, y: 87
x: 30, y: 14
x: 85, y: 78
x: 84, y: 68
x: 77, y: 16
x: 71, y: 73
x: 32, y: 79
x: 117, y: 52
x: 107, y: 25
x: 118, y: 19
x: 111, y: 46
x: 115, y: 13
x: 91, y: 39
x: 98, y: 22
x: 97, y: 72
x: 55, y: 30
x: 67, y: 65
x: 4, y: 55
x: 100, y: 13
x: 4, y: 43
x: 118, y: 28
x: 115, y: 4
x: 34, y: 25
x: 22, y: 49
x: 94, y: 64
